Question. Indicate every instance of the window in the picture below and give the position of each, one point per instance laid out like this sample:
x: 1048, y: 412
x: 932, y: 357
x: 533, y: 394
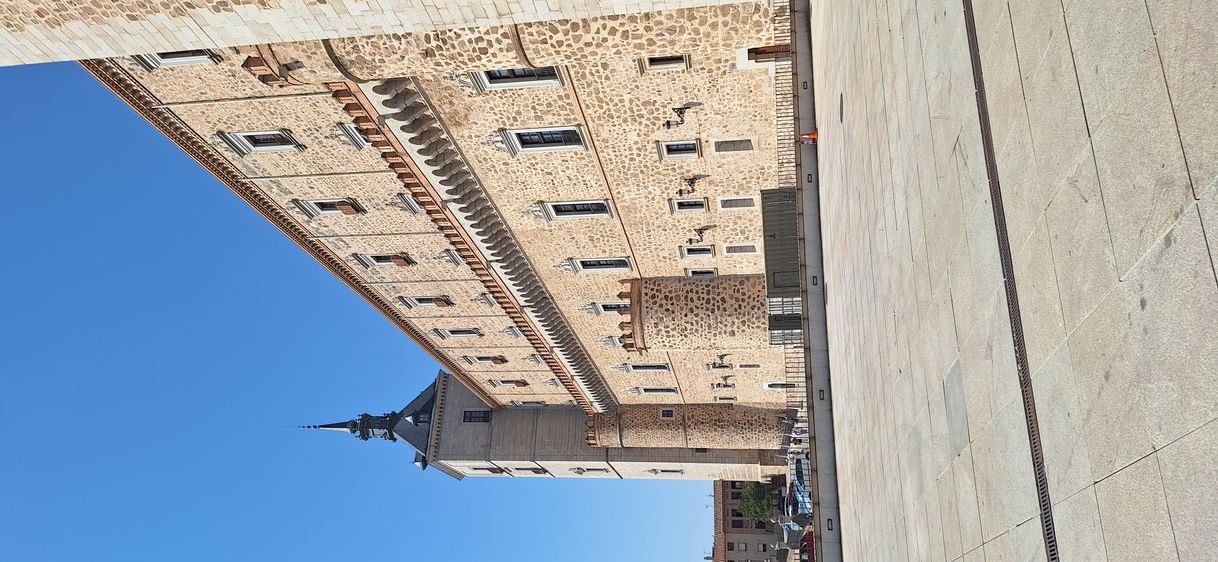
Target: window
x: 742, y: 547
x: 666, y: 471
x: 317, y: 207
x: 532, y: 470
x: 737, y: 485
x: 614, y: 341
x: 717, y: 366
x: 749, y: 366
x: 722, y: 385
x: 507, y: 383
x: 581, y: 470
x: 736, y: 145
x: 427, y: 302
x: 762, y: 547
x: 528, y: 403
x: 488, y: 360
x: 737, y: 513
x: 701, y: 273
x: 737, y: 523
x: 697, y: 251
x: 678, y: 149
x: 486, y: 298
x: 513, y: 331
x: 476, y: 416
x: 488, y: 469
x: 725, y: 399
x: 453, y: 256
x: 779, y: 385
x: 577, y: 210
x: 544, y: 140
x: 656, y: 390
x: 701, y: 450
x: 664, y: 62
x: 611, y: 307
x: 731, y: 546
x: 759, y: 525
x: 177, y: 58
x: 740, y: 248
x: 261, y: 141
x: 668, y: 413
x: 357, y: 138
x: 412, y: 204
x: 602, y: 264
x: 726, y: 203
x: 507, y: 78
x: 687, y: 205
x: 458, y: 332
x: 383, y: 260
x: 736, y: 495
x: 647, y: 367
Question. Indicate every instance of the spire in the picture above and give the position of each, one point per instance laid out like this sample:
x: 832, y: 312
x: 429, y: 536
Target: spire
x: 366, y: 426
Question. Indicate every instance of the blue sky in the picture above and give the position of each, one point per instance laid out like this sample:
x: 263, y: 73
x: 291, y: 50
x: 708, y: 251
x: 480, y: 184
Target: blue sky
x: 158, y: 336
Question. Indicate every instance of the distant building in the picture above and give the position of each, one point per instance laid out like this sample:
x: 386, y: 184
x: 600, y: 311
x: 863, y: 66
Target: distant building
x: 570, y: 216
x: 739, y: 538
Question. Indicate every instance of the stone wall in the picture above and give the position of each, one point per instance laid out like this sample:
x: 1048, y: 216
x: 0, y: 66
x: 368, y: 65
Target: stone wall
x: 41, y: 31
x: 724, y: 313
x: 709, y: 426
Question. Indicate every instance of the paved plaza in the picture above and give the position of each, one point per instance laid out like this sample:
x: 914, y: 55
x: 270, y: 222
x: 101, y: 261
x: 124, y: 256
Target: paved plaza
x: 1102, y: 118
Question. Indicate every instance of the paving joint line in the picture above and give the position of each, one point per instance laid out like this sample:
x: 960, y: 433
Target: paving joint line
x: 1048, y: 529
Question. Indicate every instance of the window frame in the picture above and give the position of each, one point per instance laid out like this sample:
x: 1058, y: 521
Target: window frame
x: 446, y: 333
x: 675, y: 208
x: 552, y: 215
x: 153, y: 61
x: 484, y: 83
x: 311, y: 207
x: 692, y: 273
x: 751, y: 198
x: 634, y: 367
x: 354, y: 135
x: 370, y: 260
x: 710, y: 251
x: 662, y: 149
x: 728, y: 252
x: 658, y: 390
x: 515, y: 147
x: 714, y: 146
x: 580, y: 268
x: 726, y: 399
x: 476, y: 416
x: 668, y: 413
x: 600, y: 309
x: 647, y: 64
x: 415, y: 302
x: 240, y: 144
x: 412, y: 204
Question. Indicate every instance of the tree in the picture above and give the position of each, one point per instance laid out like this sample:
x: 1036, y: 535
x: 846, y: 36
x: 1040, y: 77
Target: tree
x: 756, y: 502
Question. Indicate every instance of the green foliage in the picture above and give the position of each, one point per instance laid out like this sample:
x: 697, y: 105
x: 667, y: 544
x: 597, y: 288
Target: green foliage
x: 756, y: 502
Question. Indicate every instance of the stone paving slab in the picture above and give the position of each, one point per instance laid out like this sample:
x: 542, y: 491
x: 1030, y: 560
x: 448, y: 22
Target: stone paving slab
x: 1108, y: 191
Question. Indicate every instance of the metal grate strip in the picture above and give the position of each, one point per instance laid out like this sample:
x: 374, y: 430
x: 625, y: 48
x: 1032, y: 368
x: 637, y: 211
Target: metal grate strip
x: 1008, y: 272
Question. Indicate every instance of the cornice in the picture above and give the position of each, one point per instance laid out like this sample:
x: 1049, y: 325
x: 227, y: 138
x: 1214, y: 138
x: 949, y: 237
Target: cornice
x: 135, y: 95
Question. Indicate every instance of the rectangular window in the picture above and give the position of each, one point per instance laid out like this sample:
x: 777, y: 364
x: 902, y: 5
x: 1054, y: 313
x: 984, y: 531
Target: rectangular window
x: 736, y: 495
x: 510, y: 383
x: 615, y: 341
x: 701, y: 273
x: 581, y: 470
x: 726, y: 203
x: 647, y: 367
x: 513, y: 331
x: 385, y: 260
x: 488, y: 469
x: 731, y: 546
x: 487, y: 360
x: 749, y: 366
x: 725, y: 399
x: 722, y: 385
x: 458, y: 332
x: 261, y: 141
x: 602, y: 264
x: 668, y: 413
x: 577, y: 210
x: 697, y: 251
x: 316, y: 207
x: 678, y: 149
x: 528, y: 403
x: 737, y: 523
x: 740, y: 248
x: 427, y: 302
x: 354, y: 135
x: 742, y: 547
x: 454, y: 257
x: 612, y: 307
x: 411, y: 203
x: 737, y: 485
x: 737, y: 513
x: 762, y: 547
x: 657, y: 390
x: 476, y: 416
x: 664, y: 62
x: 688, y: 205
x: 736, y: 145
x: 177, y: 58
x: 717, y: 366
x: 507, y: 78
x: 544, y: 140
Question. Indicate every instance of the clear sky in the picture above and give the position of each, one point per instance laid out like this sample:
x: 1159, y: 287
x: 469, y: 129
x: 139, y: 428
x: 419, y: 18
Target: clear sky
x: 157, y: 336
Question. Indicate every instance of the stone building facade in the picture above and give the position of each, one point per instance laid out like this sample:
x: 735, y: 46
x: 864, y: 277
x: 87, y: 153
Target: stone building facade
x: 738, y: 538
x: 528, y: 202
